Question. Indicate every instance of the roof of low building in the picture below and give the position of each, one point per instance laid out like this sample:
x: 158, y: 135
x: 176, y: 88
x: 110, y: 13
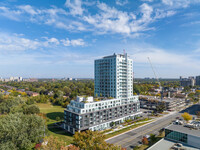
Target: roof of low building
x: 166, y: 145
x: 182, y: 129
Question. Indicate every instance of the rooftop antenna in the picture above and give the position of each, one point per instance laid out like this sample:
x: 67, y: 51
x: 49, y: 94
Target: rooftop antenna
x: 124, y: 51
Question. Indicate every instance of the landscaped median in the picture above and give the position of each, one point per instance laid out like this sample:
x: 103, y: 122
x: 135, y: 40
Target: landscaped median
x: 123, y: 129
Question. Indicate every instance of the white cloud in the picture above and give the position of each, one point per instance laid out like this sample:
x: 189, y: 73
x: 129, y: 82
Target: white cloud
x: 16, y: 42
x: 147, y: 0
x: 75, y: 6
x: 146, y: 11
x: 162, y: 14
x: 121, y: 2
x: 111, y: 20
x: 28, y: 9
x: 105, y: 20
x: 179, y: 3
x: 77, y: 42
x: 11, y: 14
x: 163, y: 60
x: 53, y: 40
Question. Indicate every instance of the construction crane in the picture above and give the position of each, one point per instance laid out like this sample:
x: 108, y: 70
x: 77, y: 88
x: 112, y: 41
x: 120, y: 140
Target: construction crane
x: 160, y: 86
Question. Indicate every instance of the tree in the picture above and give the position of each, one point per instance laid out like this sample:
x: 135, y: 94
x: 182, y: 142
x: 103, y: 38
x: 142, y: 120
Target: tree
x: 57, y: 118
x: 145, y: 141
x: 9, y: 105
x: 160, y: 107
x: 161, y: 132
x: 92, y: 140
x: 186, y: 116
x: 152, y: 138
x: 67, y: 90
x: 19, y: 131
x: 136, y: 147
x: 53, y: 143
x: 31, y: 109
x: 112, y: 124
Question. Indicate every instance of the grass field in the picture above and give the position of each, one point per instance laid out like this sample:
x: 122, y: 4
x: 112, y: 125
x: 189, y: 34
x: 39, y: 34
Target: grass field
x: 52, y: 112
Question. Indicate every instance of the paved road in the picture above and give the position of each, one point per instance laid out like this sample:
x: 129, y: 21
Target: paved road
x: 130, y: 139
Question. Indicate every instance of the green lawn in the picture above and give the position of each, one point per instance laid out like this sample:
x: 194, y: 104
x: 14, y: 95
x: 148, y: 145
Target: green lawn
x: 52, y: 112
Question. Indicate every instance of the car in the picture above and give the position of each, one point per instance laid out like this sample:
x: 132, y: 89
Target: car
x: 178, y: 145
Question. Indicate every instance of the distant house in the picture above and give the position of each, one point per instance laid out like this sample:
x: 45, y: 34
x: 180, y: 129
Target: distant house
x: 20, y: 90
x: 6, y: 93
x: 51, y: 93
x: 30, y: 93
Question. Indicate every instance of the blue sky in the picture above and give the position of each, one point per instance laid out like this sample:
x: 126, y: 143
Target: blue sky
x: 61, y: 38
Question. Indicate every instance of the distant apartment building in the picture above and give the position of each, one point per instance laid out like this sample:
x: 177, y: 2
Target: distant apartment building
x: 198, y: 80
x: 113, y: 78
x: 151, y: 102
x: 30, y: 80
x: 15, y: 79
x: 71, y: 79
x: 190, y: 81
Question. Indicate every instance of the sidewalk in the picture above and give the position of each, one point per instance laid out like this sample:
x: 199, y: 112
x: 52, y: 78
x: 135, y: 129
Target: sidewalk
x: 119, y: 128
x: 150, y: 121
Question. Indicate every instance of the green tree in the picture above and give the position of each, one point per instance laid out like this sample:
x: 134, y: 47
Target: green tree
x: 19, y: 131
x: 9, y: 105
x: 152, y: 138
x: 31, y: 109
x: 57, y: 118
x: 160, y: 107
x: 67, y: 90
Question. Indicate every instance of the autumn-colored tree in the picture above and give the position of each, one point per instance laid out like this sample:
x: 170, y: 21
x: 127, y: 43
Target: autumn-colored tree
x: 53, y: 143
x: 70, y: 147
x: 186, y: 116
x: 93, y: 140
x: 145, y: 141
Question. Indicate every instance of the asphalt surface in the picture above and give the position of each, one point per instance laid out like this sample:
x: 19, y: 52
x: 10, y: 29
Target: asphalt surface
x: 132, y: 138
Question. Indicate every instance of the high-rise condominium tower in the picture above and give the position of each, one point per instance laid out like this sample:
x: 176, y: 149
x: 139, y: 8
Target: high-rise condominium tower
x: 113, y: 78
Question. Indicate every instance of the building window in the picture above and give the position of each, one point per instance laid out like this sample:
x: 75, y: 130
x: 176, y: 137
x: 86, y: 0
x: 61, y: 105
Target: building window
x: 177, y: 136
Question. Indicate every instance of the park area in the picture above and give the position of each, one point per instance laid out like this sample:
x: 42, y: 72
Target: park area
x: 54, y: 114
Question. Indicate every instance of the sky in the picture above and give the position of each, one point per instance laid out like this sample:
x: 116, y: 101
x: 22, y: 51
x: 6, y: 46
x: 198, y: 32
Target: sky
x: 62, y: 38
